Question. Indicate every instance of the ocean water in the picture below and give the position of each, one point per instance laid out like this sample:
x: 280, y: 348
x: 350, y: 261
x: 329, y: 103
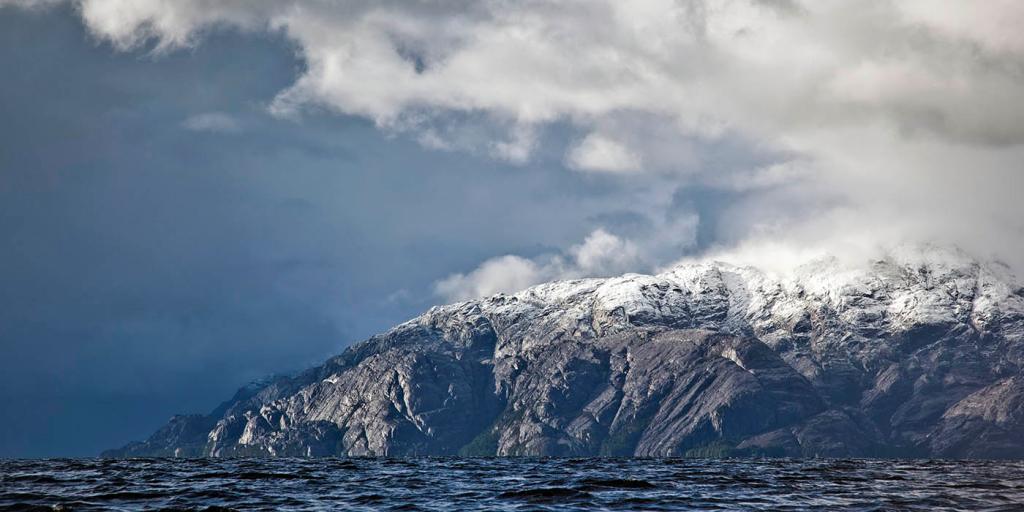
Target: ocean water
x: 509, y: 484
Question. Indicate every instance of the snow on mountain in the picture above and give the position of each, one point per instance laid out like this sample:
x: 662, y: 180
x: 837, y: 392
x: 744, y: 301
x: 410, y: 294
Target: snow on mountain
x: 906, y: 354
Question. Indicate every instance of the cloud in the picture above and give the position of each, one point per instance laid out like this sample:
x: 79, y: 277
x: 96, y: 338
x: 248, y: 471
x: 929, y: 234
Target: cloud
x: 518, y: 147
x: 604, y: 253
x: 994, y: 27
x: 30, y: 4
x: 507, y: 273
x: 601, y: 253
x: 212, y: 122
x: 602, y: 154
x: 704, y: 66
x: 882, y: 118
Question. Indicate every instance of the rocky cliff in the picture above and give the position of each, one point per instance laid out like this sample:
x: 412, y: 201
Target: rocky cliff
x: 919, y: 353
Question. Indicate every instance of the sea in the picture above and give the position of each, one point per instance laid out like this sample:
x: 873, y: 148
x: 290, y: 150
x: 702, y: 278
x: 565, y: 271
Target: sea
x: 460, y: 483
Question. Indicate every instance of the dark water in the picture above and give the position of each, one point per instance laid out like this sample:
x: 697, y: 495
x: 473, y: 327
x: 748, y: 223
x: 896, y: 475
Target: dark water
x: 509, y: 484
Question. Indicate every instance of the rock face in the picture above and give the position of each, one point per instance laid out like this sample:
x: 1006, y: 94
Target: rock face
x: 917, y: 354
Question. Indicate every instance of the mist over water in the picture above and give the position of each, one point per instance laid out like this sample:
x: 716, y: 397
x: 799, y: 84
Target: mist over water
x: 510, y: 484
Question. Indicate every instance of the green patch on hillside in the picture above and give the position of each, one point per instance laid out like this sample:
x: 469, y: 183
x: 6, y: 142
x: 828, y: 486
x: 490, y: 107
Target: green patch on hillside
x: 484, y: 444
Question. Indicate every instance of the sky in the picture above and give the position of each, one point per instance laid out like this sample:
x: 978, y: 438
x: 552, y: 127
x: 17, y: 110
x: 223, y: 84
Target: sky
x: 200, y: 193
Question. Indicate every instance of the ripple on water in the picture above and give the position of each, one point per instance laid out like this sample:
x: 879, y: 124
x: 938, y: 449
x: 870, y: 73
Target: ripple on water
x: 416, y: 484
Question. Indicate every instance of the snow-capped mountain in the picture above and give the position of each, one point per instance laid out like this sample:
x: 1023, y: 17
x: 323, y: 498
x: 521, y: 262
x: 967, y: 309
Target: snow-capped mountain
x: 919, y: 353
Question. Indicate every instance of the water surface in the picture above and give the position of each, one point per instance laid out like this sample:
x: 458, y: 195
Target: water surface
x: 509, y: 484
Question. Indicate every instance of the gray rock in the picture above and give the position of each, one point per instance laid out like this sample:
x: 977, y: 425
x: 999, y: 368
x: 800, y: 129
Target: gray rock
x: 918, y: 354
x: 988, y: 423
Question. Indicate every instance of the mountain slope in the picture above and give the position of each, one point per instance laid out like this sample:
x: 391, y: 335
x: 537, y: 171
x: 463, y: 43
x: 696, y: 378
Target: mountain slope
x: 916, y: 354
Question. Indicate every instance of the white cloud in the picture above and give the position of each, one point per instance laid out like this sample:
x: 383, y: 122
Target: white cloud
x: 889, y: 118
x: 994, y: 25
x: 502, y: 274
x: 602, y: 154
x: 600, y: 254
x: 212, y: 122
x: 744, y: 65
x: 518, y: 148
x: 603, y: 253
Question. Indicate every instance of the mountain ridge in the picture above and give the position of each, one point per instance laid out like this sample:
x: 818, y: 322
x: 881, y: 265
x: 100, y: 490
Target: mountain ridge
x: 918, y: 353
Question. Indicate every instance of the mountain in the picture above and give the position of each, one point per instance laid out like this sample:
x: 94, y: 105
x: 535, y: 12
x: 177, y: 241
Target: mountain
x: 916, y: 354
